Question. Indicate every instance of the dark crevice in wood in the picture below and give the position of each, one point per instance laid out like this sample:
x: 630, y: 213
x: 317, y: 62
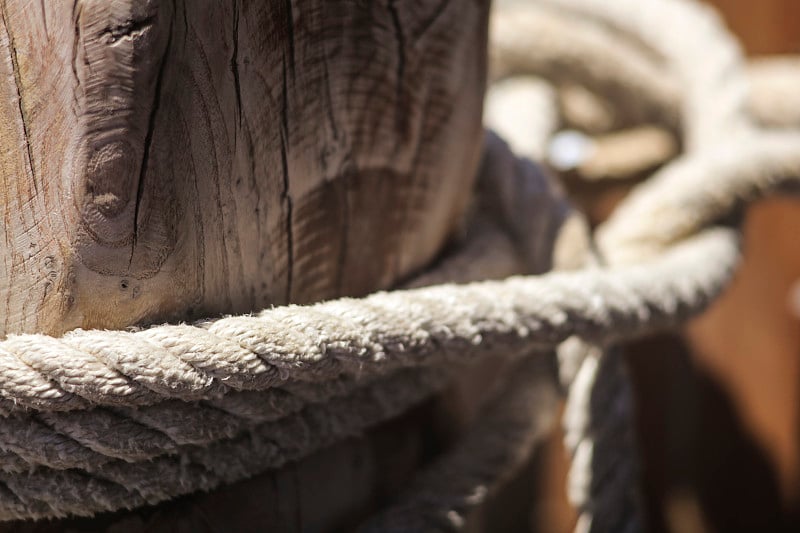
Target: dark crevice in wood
x: 290, y: 36
x: 235, y: 62
x: 437, y: 13
x: 286, y: 197
x: 128, y: 29
x: 185, y: 24
x: 400, y: 110
x: 76, y: 21
x: 148, y: 141
x: 17, y: 85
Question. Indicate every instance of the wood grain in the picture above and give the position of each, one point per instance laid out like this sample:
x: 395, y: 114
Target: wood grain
x: 168, y: 159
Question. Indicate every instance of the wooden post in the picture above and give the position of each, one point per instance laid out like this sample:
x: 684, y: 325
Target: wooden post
x: 171, y: 159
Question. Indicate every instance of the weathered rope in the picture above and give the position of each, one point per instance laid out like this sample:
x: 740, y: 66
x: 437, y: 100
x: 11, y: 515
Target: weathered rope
x: 386, y: 331
x: 91, y: 486
x: 714, y: 95
x: 394, y: 330
x: 530, y: 38
x: 773, y: 88
x: 97, y: 421
x: 714, y: 102
x: 441, y: 498
x: 700, y: 189
x: 632, y: 69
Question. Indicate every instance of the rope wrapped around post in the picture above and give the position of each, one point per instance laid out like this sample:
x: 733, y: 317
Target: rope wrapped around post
x: 104, y: 420
x: 49, y: 443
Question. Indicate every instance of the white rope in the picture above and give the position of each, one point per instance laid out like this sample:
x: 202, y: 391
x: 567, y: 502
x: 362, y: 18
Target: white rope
x: 357, y: 338
x: 102, y: 420
x: 714, y: 101
x: 705, y: 60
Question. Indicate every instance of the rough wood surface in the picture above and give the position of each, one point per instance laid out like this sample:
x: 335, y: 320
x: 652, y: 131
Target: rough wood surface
x: 168, y: 159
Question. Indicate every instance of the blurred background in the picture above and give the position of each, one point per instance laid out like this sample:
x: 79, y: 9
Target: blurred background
x: 718, y: 405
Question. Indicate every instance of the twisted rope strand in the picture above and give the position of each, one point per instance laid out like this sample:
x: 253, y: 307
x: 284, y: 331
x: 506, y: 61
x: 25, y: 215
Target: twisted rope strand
x: 375, y: 335
x: 496, y: 446
x: 97, y: 421
x: 700, y: 189
x: 714, y: 86
x: 93, y: 486
x: 536, y: 39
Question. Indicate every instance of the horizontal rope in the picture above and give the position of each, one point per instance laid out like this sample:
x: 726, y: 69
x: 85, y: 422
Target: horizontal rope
x: 371, y: 336
x: 145, y: 432
x: 113, y: 449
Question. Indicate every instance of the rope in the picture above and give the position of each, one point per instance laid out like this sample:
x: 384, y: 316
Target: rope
x: 529, y: 38
x: 713, y: 86
x: 498, y: 445
x: 356, y: 338
x: 701, y: 189
x: 621, y: 72
x: 381, y: 333
x: 714, y: 100
x: 103, y: 420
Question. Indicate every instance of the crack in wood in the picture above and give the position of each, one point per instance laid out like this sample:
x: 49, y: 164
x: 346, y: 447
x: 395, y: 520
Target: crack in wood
x: 401, y: 62
x: 290, y: 36
x: 148, y: 141
x: 129, y: 28
x: 286, y: 197
x: 17, y: 84
x: 77, y: 10
x: 235, y: 62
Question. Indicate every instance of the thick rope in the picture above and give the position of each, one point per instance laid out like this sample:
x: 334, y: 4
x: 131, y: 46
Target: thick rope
x: 98, y: 421
x: 441, y: 498
x: 535, y: 39
x: 714, y: 108
x: 90, y: 487
x: 773, y: 84
x: 703, y: 57
x: 356, y: 338
x: 600, y: 439
x: 445, y: 323
x: 701, y: 189
x: 617, y: 79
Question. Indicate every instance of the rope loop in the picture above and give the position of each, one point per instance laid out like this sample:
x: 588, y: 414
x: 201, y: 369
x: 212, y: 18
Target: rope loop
x: 98, y: 421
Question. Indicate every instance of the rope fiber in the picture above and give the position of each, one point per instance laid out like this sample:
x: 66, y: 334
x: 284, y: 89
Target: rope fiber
x: 97, y: 421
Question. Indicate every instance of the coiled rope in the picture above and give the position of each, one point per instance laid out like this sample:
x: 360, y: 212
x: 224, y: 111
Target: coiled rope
x: 104, y: 420
x: 728, y: 164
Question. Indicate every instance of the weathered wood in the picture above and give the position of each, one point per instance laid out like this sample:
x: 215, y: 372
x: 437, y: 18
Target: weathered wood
x: 172, y: 159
